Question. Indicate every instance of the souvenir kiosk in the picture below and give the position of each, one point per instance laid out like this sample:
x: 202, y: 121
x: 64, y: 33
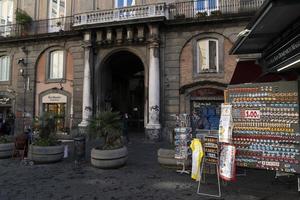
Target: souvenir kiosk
x: 266, y: 115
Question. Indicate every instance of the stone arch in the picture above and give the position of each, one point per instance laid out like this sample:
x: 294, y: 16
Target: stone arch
x: 43, y: 87
x: 104, y: 76
x: 134, y: 51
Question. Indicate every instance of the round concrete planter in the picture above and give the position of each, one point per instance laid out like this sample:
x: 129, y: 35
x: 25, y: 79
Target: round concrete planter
x: 106, y: 159
x: 167, y: 157
x: 6, y: 150
x: 47, y: 154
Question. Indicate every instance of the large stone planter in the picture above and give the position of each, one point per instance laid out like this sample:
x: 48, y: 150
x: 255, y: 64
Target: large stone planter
x: 47, y: 154
x: 6, y: 150
x: 109, y: 158
x: 167, y: 157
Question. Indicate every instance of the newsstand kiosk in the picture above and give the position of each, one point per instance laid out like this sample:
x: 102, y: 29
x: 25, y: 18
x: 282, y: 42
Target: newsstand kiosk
x: 266, y: 125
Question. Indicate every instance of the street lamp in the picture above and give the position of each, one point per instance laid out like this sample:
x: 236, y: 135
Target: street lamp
x: 23, y: 72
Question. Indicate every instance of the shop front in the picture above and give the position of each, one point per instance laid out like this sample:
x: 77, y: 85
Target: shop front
x: 6, y: 114
x: 205, y: 108
x: 266, y: 118
x: 56, y: 104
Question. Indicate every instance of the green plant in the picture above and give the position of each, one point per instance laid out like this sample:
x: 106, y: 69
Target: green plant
x: 216, y: 13
x: 107, y: 125
x: 22, y: 17
x: 5, y: 139
x: 45, y: 126
x: 201, y: 14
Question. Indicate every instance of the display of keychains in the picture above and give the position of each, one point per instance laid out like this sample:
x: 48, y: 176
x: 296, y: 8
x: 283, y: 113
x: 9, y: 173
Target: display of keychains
x: 266, y: 125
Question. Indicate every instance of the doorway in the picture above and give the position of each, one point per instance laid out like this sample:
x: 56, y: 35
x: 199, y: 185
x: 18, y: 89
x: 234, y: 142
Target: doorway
x: 123, y: 87
x: 58, y: 110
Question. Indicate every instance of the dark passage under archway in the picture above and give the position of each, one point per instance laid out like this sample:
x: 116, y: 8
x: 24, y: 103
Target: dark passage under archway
x: 124, y: 86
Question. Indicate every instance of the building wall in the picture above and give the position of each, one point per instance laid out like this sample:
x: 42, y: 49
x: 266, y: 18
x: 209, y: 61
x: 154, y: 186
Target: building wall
x: 41, y: 82
x: 177, y: 64
x: 35, y: 59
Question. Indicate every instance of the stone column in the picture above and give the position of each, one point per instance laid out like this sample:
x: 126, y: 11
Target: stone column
x: 153, y: 127
x: 87, y: 93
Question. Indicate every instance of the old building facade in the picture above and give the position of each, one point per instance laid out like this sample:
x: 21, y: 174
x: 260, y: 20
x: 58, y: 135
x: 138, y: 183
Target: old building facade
x: 149, y: 58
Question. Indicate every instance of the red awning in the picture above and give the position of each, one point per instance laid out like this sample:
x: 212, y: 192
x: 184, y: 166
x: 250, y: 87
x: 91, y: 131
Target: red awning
x: 246, y: 72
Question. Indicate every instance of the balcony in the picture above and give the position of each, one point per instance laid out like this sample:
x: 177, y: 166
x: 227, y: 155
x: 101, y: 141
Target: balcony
x: 205, y: 9
x: 36, y: 28
x: 181, y: 12
x: 122, y: 14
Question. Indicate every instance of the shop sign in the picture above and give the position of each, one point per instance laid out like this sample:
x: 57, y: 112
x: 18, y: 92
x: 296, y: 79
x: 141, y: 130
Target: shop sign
x: 208, y: 92
x: 5, y: 101
x: 227, y: 162
x: 54, y: 98
x: 284, y: 53
x: 226, y: 124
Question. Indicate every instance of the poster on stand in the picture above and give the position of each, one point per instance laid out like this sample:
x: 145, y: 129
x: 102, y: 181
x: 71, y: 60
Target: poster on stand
x: 226, y: 124
x: 227, y: 162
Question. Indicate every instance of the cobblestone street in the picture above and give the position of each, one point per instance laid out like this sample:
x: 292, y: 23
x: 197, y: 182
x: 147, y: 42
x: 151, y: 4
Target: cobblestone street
x: 141, y: 178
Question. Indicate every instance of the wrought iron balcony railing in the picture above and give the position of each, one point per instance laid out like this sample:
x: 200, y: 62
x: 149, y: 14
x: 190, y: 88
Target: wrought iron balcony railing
x: 38, y: 27
x: 212, y: 8
x: 196, y: 9
x: 121, y: 14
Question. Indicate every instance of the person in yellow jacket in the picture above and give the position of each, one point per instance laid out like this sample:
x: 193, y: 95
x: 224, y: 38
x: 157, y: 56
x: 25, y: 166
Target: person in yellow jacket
x: 197, y: 156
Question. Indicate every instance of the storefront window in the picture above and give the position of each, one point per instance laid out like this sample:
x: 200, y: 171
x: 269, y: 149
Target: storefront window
x: 207, y: 60
x: 4, y: 68
x: 58, y: 110
x: 56, y: 65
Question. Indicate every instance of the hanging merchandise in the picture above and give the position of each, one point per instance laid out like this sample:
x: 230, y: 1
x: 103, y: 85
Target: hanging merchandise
x: 227, y: 162
x: 226, y: 124
x: 197, y: 156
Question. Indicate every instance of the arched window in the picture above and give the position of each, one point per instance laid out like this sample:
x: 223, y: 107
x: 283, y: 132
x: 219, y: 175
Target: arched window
x: 4, y: 68
x: 56, y: 65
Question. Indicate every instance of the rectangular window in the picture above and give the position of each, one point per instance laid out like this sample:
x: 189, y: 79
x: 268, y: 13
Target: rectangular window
x: 4, y: 68
x: 56, y: 13
x: 6, y: 17
x: 124, y: 3
x: 206, y: 6
x: 207, y: 60
x: 56, y: 70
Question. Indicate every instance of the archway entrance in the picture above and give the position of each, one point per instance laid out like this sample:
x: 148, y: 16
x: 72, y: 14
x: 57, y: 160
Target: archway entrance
x: 122, y: 87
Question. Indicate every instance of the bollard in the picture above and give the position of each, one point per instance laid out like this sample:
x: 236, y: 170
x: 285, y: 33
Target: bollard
x: 79, y: 148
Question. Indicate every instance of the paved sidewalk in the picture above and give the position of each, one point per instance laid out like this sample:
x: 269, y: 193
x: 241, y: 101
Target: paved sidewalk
x: 142, y: 178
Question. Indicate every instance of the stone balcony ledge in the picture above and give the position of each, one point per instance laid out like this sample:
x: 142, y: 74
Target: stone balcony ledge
x: 121, y: 14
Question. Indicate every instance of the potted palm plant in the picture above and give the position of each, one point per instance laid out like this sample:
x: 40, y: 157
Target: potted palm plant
x: 112, y: 153
x: 24, y: 20
x: 6, y: 146
x: 45, y: 148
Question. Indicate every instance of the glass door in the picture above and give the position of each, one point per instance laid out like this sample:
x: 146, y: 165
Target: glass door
x: 58, y: 109
x: 57, y: 12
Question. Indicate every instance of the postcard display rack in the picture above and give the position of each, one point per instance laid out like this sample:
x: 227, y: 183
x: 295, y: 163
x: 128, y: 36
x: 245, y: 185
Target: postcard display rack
x: 183, y: 136
x: 266, y: 125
